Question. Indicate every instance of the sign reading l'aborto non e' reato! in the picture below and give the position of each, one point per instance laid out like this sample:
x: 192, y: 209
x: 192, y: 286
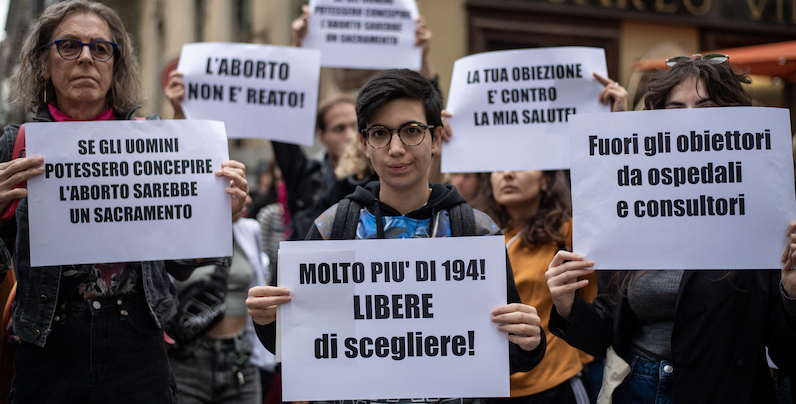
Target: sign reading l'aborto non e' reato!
x: 362, y: 34
x: 708, y: 188
x: 258, y: 91
x: 382, y: 319
x: 513, y: 107
x: 120, y: 191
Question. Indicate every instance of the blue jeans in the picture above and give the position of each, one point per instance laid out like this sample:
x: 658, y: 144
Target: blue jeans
x: 206, y: 370
x: 648, y: 382
x: 100, y: 351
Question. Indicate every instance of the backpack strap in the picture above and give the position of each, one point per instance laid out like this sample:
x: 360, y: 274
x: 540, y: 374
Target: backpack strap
x: 346, y: 219
x: 19, y: 152
x: 462, y: 220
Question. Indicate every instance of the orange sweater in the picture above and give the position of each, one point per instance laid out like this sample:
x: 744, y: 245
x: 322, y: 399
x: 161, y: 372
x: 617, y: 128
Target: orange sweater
x: 561, y: 361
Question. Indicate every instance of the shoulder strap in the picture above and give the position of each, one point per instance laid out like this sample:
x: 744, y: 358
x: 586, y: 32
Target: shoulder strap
x: 19, y: 144
x: 462, y: 220
x: 19, y: 152
x: 346, y: 219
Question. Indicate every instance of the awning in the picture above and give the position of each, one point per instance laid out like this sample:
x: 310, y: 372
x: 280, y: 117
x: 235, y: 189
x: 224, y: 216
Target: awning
x: 773, y: 59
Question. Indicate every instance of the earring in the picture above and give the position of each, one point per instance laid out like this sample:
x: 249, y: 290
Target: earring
x: 45, y: 96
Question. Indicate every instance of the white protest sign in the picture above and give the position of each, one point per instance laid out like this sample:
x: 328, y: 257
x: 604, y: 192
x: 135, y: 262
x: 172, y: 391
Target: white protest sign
x: 381, y: 319
x: 259, y: 91
x: 707, y: 188
x: 362, y: 34
x: 512, y: 107
x: 120, y: 191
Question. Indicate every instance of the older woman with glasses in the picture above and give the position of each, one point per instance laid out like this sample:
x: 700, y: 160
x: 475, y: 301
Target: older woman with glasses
x: 88, y: 333
x: 688, y: 336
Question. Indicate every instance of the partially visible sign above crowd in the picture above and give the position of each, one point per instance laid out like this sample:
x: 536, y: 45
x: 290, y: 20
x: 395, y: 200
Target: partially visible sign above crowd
x: 364, y: 34
x: 120, y: 191
x: 259, y: 91
x: 513, y: 107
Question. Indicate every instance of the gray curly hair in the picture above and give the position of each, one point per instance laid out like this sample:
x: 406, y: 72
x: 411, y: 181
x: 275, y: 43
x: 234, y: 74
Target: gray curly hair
x: 28, y: 86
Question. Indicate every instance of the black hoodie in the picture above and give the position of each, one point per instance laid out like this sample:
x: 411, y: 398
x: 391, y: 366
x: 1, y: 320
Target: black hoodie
x: 442, y: 197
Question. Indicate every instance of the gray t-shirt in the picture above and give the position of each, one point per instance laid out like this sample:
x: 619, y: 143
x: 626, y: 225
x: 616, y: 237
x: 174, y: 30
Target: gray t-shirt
x: 652, y: 296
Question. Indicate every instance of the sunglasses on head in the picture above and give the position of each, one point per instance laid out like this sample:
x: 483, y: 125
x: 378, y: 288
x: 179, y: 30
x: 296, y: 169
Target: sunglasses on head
x: 714, y: 58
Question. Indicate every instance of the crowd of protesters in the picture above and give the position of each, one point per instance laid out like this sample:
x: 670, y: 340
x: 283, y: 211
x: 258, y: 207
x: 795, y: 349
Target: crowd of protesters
x: 95, y: 332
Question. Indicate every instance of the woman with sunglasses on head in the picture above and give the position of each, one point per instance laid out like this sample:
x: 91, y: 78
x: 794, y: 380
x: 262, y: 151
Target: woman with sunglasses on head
x: 88, y: 333
x: 688, y: 336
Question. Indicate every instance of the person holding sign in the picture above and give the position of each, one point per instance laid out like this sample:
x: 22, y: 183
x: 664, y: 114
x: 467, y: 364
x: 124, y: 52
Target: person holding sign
x: 398, y: 114
x: 88, y: 333
x: 534, y: 210
x: 222, y: 362
x: 688, y: 336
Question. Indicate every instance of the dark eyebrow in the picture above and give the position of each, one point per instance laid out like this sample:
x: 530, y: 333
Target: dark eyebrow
x: 674, y: 104
x: 403, y: 124
x: 705, y: 101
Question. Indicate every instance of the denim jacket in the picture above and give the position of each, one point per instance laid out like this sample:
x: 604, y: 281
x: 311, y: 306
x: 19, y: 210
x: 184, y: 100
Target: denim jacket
x: 38, y: 287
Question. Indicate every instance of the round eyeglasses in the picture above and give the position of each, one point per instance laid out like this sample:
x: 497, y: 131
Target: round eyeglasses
x: 71, y: 49
x: 410, y: 133
x: 712, y: 58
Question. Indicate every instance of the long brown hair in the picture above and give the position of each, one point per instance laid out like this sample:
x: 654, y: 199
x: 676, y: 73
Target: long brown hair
x: 723, y: 84
x: 555, y: 210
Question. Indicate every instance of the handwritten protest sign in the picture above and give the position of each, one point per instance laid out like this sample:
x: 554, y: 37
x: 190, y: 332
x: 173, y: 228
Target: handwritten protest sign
x: 513, y: 106
x: 393, y: 318
x: 363, y: 34
x: 119, y: 191
x: 259, y: 91
x: 708, y: 188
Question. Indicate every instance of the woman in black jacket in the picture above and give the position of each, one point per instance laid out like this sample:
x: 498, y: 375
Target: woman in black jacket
x: 688, y: 336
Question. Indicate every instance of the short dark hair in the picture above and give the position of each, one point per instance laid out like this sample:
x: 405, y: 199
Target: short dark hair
x: 326, y: 105
x: 724, y: 86
x: 390, y: 85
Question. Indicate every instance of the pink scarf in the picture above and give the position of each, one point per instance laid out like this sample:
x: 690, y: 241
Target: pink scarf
x: 61, y: 117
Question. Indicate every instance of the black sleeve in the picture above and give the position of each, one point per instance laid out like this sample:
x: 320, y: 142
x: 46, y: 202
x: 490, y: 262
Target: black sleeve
x: 782, y: 336
x: 521, y: 360
x: 591, y: 325
x: 267, y: 335
x: 292, y: 163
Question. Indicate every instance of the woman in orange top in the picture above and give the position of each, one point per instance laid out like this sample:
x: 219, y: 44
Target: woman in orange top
x: 534, y: 210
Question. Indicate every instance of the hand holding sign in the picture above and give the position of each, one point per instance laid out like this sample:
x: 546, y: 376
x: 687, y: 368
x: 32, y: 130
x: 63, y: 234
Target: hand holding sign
x: 300, y: 27
x: 262, y: 302
x: 789, y: 261
x: 612, y: 94
x: 522, y: 324
x: 15, y: 172
x: 563, y: 279
x: 175, y: 92
x: 238, y: 187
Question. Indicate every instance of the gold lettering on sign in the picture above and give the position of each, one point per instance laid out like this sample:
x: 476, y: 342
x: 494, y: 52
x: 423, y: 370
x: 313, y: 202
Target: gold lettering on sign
x: 663, y: 7
x: 698, y: 10
x: 756, y: 9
